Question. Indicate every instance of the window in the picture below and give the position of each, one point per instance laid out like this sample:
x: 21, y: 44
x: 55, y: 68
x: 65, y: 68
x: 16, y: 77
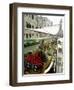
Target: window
x: 26, y: 35
x: 32, y: 26
x: 28, y: 25
x: 36, y: 27
x: 32, y: 16
x: 60, y: 50
x: 30, y: 35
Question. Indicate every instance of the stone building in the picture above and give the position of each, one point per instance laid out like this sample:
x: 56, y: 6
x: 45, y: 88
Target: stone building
x: 34, y: 22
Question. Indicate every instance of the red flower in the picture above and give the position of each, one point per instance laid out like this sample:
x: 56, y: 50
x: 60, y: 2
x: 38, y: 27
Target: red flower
x: 34, y: 59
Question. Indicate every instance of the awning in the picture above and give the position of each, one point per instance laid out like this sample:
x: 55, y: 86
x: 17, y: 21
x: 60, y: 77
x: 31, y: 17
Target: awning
x: 50, y: 30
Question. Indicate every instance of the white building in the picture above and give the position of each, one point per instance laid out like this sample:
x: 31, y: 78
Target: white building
x: 34, y: 22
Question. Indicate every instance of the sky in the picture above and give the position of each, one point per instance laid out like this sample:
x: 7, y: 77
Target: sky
x: 55, y: 19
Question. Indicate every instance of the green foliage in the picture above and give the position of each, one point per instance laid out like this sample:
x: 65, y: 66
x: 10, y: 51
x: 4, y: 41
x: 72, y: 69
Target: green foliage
x: 30, y: 43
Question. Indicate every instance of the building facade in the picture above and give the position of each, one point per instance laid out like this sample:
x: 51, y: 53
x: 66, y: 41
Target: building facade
x: 34, y: 22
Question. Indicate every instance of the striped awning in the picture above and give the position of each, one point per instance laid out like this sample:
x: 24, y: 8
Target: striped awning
x: 50, y: 30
